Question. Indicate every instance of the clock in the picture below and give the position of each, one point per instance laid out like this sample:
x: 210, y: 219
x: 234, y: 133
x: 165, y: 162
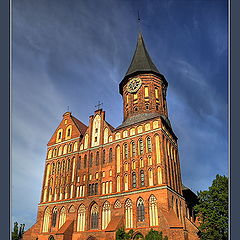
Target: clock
x: 134, y: 84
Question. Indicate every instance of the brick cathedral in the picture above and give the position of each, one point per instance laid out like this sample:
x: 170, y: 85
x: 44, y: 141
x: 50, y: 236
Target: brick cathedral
x: 99, y: 178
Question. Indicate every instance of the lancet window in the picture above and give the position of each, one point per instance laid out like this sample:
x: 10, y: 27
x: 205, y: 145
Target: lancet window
x: 94, y: 216
x: 81, y: 218
x: 106, y: 215
x: 153, y: 212
x: 128, y: 214
x: 140, y: 210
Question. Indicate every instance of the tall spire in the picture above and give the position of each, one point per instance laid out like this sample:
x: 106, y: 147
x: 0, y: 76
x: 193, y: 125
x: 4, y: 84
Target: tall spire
x: 141, y: 61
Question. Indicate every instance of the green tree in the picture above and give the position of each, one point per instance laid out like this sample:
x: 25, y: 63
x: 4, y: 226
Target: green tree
x: 155, y: 235
x: 15, y: 232
x: 212, y: 210
x: 122, y: 235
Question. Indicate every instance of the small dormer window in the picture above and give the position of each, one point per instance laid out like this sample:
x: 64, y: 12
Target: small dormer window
x: 68, y: 132
x: 59, y: 135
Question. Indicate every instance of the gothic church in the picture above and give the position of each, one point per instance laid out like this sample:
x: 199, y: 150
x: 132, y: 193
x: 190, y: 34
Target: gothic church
x: 99, y: 178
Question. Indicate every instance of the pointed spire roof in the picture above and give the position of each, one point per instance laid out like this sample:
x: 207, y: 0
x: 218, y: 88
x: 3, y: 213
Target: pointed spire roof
x: 141, y: 60
x: 141, y: 63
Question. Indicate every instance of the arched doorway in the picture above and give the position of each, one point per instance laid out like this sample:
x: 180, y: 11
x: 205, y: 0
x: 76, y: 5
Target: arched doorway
x: 91, y: 238
x: 51, y: 238
x: 138, y: 236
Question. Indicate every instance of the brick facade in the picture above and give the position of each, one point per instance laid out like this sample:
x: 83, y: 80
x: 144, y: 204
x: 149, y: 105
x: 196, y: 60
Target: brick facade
x: 99, y: 178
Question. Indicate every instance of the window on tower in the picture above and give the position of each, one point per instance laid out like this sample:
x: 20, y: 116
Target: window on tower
x: 97, y: 158
x: 104, y: 157
x: 134, y: 180
x: 110, y: 155
x: 85, y: 161
x: 91, y: 160
x: 140, y: 210
x: 133, y: 149
x: 140, y: 146
x: 142, y: 178
x: 54, y: 217
x: 94, y: 216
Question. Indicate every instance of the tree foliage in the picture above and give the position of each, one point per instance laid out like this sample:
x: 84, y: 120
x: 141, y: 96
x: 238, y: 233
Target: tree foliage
x: 122, y: 235
x: 155, y: 235
x: 212, y: 210
x: 152, y: 235
x: 17, y: 231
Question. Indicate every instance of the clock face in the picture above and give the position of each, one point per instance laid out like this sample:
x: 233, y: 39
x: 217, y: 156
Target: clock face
x: 134, y: 84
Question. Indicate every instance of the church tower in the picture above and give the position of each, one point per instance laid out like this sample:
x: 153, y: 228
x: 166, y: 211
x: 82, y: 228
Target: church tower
x: 143, y: 88
x: 99, y: 178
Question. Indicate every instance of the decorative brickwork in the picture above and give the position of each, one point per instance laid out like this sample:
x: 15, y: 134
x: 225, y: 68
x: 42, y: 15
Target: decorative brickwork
x: 98, y: 178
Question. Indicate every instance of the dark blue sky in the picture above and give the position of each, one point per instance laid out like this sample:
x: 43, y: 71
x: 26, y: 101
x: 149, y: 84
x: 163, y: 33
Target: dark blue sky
x: 75, y: 53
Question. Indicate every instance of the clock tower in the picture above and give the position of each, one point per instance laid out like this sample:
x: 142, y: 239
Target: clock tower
x: 143, y: 88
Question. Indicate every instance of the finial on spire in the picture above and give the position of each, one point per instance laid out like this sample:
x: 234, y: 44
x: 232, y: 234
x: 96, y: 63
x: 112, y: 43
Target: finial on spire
x: 98, y: 105
x: 139, y: 22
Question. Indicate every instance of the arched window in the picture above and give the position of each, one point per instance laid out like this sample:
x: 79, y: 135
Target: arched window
x: 54, y: 217
x: 62, y: 217
x: 105, y: 135
x: 110, y: 155
x: 65, y: 149
x: 94, y: 216
x: 118, y: 184
x: 86, y: 141
x: 97, y: 158
x: 118, y: 154
x: 91, y: 160
x: 58, y: 167
x: 59, y: 135
x: 149, y: 161
x: 125, y: 151
x: 70, y: 147
x: 133, y: 164
x: 50, y: 153
x: 134, y: 180
x: 150, y: 177
x: 128, y: 214
x: 60, y: 151
x: 79, y: 163
x: 81, y: 218
x: 69, y: 165
x: 125, y: 166
x: 140, y: 210
x: 149, y: 144
x: 63, y: 166
x: 157, y: 144
x: 85, y: 161
x: 53, y: 168
x: 159, y: 175
x: 75, y: 146
x: 142, y: 178
x: 177, y: 211
x: 106, y: 215
x: 140, y: 146
x: 104, y: 157
x: 133, y: 146
x: 46, y: 220
x: 141, y: 162
x: 125, y: 182
x: 153, y: 212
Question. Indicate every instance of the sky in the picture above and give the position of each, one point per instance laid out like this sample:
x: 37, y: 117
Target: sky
x: 75, y: 53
